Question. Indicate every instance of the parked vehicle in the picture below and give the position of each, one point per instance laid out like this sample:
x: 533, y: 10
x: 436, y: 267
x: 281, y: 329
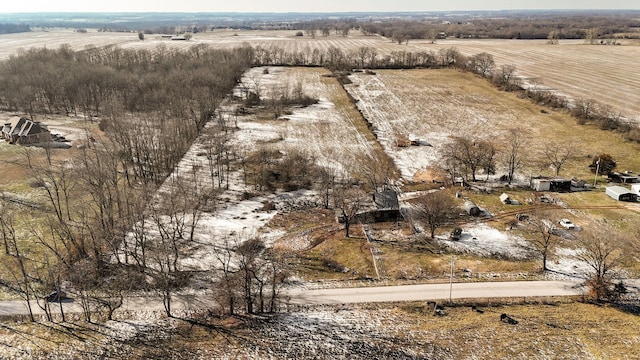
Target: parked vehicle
x: 55, y: 296
x: 456, y: 234
x: 567, y: 224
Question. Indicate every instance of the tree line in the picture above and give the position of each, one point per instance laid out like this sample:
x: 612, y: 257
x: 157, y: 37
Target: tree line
x: 8, y: 28
x: 515, y: 27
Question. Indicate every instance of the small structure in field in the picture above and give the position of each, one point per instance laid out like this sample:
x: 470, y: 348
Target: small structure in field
x: 455, y: 235
x: 471, y: 208
x: 24, y: 131
x: 506, y: 199
x: 386, y: 200
x: 551, y: 184
x: 623, y: 178
x: 620, y: 193
x: 387, y: 208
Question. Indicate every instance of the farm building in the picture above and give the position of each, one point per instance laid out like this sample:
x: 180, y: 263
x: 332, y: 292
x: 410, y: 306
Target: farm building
x: 621, y: 193
x: 25, y: 131
x: 506, y: 199
x: 387, y: 208
x: 551, y: 184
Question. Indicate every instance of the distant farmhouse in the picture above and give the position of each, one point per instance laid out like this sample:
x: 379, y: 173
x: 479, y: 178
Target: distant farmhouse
x: 23, y: 131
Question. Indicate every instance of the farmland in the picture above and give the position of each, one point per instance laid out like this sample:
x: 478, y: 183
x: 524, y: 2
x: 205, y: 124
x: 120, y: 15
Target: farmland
x: 608, y: 74
x: 349, y: 121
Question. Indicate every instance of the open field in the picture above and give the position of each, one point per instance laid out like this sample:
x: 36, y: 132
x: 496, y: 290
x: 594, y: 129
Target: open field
x: 608, y: 74
x: 54, y: 38
x: 433, y: 105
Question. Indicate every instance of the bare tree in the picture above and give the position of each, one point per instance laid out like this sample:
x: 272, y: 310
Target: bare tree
x: 517, y: 139
x: 591, y: 35
x: 349, y: 200
x: 16, y: 265
x: 435, y: 210
x: 585, y: 109
x: 483, y: 64
x: 506, y: 77
x: 544, y: 225
x: 553, y: 37
x: 326, y: 184
x: 557, y: 154
x: 227, y: 294
x: 602, y: 251
x: 469, y: 155
x: 378, y: 170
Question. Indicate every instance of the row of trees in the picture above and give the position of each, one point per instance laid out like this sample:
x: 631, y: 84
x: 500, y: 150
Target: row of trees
x: 586, y: 111
x: 466, y: 157
x: 181, y: 84
x: 564, y: 27
x: 8, y: 28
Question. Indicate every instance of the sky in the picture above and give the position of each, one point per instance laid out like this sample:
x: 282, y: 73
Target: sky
x: 11, y: 6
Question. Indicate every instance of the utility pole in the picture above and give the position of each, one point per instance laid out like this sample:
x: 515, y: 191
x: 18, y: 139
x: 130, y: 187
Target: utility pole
x: 597, y: 169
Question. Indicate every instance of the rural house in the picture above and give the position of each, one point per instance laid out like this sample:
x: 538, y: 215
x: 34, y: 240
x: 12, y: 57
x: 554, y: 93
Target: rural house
x: 621, y: 193
x: 25, y: 131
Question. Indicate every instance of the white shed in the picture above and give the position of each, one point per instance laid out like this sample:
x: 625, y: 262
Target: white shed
x: 541, y: 184
x: 621, y: 193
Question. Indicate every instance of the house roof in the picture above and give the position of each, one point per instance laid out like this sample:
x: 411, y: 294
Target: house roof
x: 618, y: 190
x: 386, y: 199
x: 25, y: 127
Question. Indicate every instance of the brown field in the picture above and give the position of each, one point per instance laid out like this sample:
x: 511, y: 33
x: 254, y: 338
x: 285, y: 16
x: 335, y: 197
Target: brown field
x: 435, y: 104
x: 54, y: 38
x: 608, y: 74
x: 384, y: 331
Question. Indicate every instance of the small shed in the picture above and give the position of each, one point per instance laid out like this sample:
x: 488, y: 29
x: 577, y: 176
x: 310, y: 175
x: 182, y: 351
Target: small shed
x: 620, y: 193
x: 471, y: 208
x: 505, y: 198
x: 624, y: 178
x: 551, y: 184
x: 541, y: 184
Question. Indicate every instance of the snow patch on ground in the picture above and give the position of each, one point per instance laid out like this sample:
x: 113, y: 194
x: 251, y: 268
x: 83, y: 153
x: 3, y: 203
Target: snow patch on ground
x: 483, y: 240
x: 567, y: 264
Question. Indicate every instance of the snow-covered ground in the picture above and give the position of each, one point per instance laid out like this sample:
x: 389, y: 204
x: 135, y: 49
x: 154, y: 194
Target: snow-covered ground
x: 322, y: 130
x: 484, y: 240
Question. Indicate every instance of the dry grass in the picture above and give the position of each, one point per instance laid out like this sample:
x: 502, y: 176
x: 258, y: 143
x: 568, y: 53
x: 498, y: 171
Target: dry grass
x: 608, y: 74
x: 433, y: 104
x: 551, y: 331
x: 547, y: 330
